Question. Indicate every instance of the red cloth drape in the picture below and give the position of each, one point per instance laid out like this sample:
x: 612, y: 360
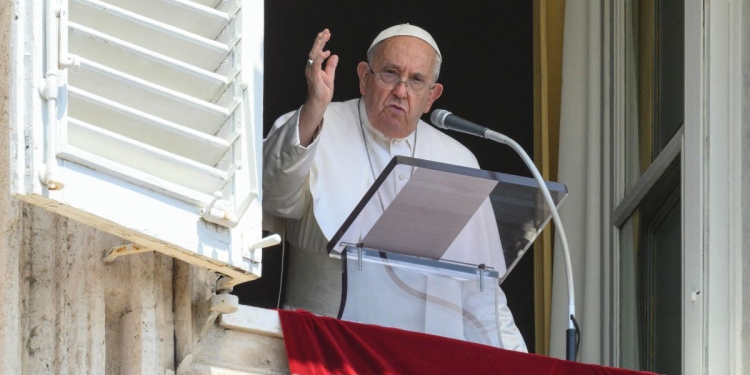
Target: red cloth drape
x: 320, y: 346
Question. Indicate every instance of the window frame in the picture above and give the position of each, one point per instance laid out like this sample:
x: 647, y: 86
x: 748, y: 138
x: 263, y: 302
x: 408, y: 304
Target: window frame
x: 710, y: 153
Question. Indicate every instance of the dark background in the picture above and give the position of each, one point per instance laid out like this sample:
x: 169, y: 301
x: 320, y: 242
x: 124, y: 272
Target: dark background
x: 487, y: 73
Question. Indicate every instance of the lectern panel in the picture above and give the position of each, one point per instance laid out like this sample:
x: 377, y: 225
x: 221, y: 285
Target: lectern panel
x: 428, y: 245
x: 451, y: 303
x: 449, y: 213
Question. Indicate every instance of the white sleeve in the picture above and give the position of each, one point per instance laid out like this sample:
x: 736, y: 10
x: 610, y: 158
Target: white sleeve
x: 286, y: 168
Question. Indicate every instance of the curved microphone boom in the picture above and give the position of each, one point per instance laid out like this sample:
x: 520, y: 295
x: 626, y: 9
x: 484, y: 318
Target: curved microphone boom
x: 446, y: 120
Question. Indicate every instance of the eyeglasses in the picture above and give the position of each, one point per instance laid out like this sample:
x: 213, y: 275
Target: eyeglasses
x: 389, y: 81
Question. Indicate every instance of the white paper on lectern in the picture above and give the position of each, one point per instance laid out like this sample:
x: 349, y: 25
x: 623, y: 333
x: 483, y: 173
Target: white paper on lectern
x: 429, y: 213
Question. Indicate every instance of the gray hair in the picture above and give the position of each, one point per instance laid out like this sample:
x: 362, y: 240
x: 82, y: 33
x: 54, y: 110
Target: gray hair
x: 438, y: 59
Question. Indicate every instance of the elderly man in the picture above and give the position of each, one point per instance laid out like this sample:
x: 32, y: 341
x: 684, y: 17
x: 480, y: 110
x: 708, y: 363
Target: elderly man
x: 321, y: 159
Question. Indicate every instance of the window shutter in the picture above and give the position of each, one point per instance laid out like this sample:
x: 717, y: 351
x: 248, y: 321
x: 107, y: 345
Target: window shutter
x: 144, y: 118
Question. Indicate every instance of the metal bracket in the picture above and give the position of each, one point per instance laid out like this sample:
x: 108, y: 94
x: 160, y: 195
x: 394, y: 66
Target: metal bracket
x: 73, y: 62
x: 481, y: 267
x: 49, y: 85
x: 218, y: 214
x: 220, y: 303
x: 360, y: 253
x: 234, y: 9
x: 49, y: 176
x: 118, y: 251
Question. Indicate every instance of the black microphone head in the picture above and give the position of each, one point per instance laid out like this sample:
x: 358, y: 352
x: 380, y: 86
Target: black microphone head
x: 438, y: 117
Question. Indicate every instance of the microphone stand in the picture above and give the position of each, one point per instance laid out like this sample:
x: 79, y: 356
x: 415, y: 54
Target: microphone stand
x: 570, y: 334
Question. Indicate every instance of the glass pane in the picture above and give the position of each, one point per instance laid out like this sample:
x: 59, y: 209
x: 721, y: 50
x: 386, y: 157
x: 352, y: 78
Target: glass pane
x: 654, y: 82
x: 671, y: 71
x: 665, y: 288
x: 650, y: 297
x: 650, y: 280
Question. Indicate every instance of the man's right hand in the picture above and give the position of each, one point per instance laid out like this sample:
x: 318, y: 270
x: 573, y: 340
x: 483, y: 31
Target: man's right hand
x: 319, y: 87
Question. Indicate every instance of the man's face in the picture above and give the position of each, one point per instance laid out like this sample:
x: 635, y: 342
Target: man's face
x: 396, y: 112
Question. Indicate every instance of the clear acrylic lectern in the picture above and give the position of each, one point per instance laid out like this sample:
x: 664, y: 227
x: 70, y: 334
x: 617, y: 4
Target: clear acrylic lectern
x: 427, y: 246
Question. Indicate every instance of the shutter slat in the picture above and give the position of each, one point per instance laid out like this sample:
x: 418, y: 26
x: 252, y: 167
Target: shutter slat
x: 150, y: 98
x: 145, y: 64
x: 208, y: 3
x: 134, y: 176
x: 187, y: 15
x: 156, y: 36
x: 142, y: 157
x: 146, y: 128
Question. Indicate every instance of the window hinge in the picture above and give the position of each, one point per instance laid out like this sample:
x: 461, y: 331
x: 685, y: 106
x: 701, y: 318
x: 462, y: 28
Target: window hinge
x: 220, y: 303
x: 72, y: 62
x: 251, y: 252
x: 49, y: 175
x: 48, y: 89
x: 49, y: 86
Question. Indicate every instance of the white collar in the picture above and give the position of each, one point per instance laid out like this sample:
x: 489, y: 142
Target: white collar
x: 376, y: 134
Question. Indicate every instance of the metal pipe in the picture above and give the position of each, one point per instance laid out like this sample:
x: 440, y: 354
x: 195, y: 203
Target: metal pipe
x: 49, y: 92
x: 501, y: 138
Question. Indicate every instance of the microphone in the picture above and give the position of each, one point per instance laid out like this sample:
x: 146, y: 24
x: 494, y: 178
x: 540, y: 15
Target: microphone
x: 446, y: 120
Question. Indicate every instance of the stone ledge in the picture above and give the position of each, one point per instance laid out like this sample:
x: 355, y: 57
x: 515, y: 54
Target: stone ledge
x: 253, y: 319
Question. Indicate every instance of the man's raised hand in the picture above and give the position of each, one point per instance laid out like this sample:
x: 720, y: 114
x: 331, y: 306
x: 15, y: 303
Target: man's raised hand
x: 320, y: 79
x: 319, y: 87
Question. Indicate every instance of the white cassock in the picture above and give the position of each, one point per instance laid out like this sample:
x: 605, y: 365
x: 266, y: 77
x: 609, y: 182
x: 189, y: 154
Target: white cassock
x: 318, y: 187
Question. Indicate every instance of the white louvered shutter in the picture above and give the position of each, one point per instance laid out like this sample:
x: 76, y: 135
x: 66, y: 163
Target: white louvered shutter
x: 144, y: 118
